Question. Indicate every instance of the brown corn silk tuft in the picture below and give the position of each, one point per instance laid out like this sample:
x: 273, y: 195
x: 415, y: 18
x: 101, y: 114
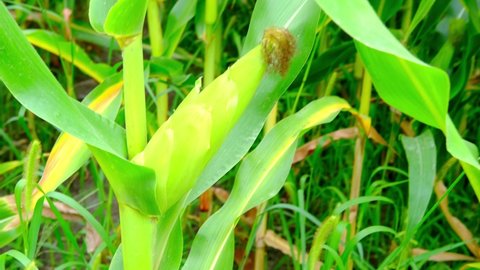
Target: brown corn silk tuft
x: 278, y: 48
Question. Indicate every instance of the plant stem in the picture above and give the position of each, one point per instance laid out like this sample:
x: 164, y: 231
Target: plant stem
x: 210, y: 48
x: 137, y: 241
x: 134, y: 96
x: 407, y: 19
x: 155, y: 28
x: 209, y: 73
x: 156, y: 41
x: 366, y: 91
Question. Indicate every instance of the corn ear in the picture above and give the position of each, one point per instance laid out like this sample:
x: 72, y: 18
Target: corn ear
x: 177, y: 153
x: 181, y: 148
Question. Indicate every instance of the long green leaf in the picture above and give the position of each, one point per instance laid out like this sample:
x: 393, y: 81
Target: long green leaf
x: 422, y: 160
x: 403, y: 81
x: 422, y: 11
x: 177, y: 20
x: 9, y: 165
x: 29, y: 80
x: 300, y: 17
x: 260, y: 177
x: 69, y: 51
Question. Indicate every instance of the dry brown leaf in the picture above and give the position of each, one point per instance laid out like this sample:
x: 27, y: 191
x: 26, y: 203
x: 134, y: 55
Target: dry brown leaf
x: 221, y: 194
x: 324, y: 141
x: 460, y: 229
x: 92, y: 238
x: 443, y: 256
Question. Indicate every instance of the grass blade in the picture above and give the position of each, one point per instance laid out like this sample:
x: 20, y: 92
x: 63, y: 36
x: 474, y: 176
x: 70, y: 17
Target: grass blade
x: 422, y: 160
x: 181, y: 13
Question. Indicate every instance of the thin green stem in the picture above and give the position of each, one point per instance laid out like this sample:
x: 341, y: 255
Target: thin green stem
x: 155, y: 28
x: 210, y: 48
x: 156, y: 42
x: 209, y: 71
x: 134, y: 96
x: 366, y: 94
x: 407, y: 18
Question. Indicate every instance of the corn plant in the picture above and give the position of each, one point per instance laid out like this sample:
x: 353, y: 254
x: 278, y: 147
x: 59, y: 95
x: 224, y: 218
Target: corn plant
x: 155, y: 178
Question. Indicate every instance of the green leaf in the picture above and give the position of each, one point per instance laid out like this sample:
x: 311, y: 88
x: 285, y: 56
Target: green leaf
x: 300, y: 17
x: 125, y: 18
x: 21, y: 258
x: 360, y: 200
x: 421, y: 13
x: 98, y: 11
x: 260, y: 176
x: 361, y: 235
x: 134, y: 185
x: 422, y: 160
x: 227, y: 255
x: 69, y: 51
x: 174, y: 249
x: 9, y: 165
x: 168, y: 238
x: 118, y: 18
x: 117, y: 260
x: 403, y: 81
x: 473, y: 11
x: 33, y: 85
x: 181, y: 13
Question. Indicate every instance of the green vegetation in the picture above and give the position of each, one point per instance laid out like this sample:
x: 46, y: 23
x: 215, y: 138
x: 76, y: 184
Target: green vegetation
x: 130, y: 134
